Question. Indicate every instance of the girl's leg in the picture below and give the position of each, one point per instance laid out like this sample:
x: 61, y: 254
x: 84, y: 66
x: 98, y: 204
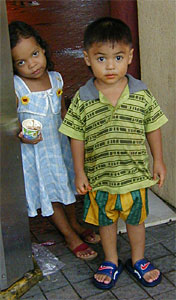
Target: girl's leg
x: 108, y: 236
x: 61, y: 222
x: 136, y: 234
x: 71, y: 214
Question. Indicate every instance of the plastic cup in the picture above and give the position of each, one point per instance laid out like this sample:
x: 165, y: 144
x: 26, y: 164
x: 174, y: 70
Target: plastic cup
x: 31, y: 129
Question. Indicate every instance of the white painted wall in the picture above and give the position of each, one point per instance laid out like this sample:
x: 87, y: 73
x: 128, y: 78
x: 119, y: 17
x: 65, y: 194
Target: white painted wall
x: 157, y: 38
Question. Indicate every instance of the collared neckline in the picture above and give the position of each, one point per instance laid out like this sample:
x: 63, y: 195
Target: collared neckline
x: 90, y: 92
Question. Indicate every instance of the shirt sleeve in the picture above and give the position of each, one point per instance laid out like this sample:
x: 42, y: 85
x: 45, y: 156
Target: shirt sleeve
x: 154, y: 116
x: 73, y: 125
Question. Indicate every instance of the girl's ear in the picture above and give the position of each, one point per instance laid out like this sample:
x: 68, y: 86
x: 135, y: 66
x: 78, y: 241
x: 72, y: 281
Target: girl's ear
x: 130, y: 56
x: 86, y: 58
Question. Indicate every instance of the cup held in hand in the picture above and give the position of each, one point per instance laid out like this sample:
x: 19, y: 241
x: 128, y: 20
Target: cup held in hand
x: 31, y: 128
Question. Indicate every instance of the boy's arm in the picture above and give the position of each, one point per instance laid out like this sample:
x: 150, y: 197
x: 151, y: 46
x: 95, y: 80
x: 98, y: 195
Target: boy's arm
x: 81, y: 181
x: 155, y: 142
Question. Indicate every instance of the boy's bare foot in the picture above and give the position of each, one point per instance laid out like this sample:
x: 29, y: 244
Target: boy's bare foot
x: 152, y: 275
x: 145, y: 272
x: 107, y: 275
x: 103, y: 278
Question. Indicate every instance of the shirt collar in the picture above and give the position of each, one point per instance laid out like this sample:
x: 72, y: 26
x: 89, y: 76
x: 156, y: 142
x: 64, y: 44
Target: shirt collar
x: 90, y: 92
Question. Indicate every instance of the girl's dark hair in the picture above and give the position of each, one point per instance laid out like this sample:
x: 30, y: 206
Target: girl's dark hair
x: 19, y: 29
x: 107, y: 29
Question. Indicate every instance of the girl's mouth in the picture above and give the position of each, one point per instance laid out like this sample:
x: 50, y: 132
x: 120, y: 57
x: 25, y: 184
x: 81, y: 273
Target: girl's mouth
x: 36, y: 72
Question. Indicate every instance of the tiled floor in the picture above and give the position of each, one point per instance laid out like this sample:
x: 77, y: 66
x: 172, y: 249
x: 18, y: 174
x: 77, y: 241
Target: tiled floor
x: 74, y: 282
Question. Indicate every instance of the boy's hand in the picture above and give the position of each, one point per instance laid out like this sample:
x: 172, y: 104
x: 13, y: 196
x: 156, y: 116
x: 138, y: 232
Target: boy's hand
x: 159, y: 170
x: 27, y: 141
x: 82, y: 184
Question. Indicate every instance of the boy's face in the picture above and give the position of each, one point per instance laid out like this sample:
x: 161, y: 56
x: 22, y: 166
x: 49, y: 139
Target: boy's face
x: 109, y: 63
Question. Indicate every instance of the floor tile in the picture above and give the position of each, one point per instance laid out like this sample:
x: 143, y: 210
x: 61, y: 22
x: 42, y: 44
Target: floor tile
x: 166, y: 263
x: 103, y: 296
x: 54, y: 281
x: 35, y: 291
x: 171, y: 295
x: 171, y: 276
x: 157, y: 250
x: 132, y: 292
x: 78, y: 273
x: 70, y: 260
x: 162, y: 232
x: 86, y: 288
x: 65, y: 293
x: 163, y: 287
x: 170, y: 245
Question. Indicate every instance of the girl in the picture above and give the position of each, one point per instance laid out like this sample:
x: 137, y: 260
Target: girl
x: 47, y: 163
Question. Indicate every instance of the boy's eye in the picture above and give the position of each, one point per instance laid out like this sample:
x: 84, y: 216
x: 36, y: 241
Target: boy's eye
x: 36, y: 53
x: 21, y: 63
x: 101, y: 58
x: 118, y: 57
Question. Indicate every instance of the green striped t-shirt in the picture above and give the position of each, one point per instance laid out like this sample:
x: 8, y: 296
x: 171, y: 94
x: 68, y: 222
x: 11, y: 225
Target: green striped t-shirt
x: 116, y: 159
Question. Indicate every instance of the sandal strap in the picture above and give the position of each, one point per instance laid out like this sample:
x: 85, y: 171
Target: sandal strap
x: 143, y: 266
x: 86, y: 233
x: 107, y: 268
x: 81, y: 247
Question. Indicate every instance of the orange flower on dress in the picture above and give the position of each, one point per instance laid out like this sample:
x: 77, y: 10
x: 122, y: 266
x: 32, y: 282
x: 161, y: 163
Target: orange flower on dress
x: 25, y: 100
x: 59, y: 92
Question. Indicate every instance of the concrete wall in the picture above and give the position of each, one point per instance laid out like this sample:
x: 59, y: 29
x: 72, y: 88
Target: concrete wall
x: 157, y: 39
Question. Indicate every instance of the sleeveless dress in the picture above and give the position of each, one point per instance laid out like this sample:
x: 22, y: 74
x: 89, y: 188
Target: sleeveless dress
x: 47, y: 166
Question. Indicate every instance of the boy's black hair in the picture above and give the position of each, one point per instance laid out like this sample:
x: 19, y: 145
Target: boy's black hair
x: 107, y: 29
x: 18, y: 30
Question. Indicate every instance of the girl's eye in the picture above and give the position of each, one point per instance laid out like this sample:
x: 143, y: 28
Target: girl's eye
x: 21, y: 63
x: 119, y: 57
x: 101, y: 59
x: 36, y: 53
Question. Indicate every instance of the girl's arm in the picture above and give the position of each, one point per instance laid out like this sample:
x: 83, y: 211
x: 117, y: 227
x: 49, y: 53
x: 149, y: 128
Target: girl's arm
x: 63, y: 108
x: 21, y: 137
x: 27, y: 141
x: 155, y: 142
x: 81, y: 180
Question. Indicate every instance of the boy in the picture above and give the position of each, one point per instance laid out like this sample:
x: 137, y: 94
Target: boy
x: 108, y: 121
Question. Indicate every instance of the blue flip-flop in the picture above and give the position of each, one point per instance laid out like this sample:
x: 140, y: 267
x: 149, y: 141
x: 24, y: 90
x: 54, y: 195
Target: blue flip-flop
x: 140, y: 268
x: 111, y: 270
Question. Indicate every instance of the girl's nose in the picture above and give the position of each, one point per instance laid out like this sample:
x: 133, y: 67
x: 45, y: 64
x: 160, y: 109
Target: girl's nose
x: 31, y: 63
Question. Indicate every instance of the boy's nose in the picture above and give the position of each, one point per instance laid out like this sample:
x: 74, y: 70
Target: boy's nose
x: 110, y: 65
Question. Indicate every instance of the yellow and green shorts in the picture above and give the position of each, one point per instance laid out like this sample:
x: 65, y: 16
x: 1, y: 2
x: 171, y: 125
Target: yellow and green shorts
x: 102, y: 208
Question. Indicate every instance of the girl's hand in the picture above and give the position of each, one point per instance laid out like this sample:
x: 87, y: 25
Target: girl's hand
x: 159, y: 170
x: 82, y: 184
x: 27, y: 141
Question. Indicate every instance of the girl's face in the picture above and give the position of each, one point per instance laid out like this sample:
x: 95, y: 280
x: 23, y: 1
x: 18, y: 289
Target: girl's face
x: 29, y: 59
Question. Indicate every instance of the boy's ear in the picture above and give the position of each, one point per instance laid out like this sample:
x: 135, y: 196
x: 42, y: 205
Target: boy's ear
x: 86, y: 58
x: 131, y: 56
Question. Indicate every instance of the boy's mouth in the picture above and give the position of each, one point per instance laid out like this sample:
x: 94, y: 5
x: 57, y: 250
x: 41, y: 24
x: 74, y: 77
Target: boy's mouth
x: 110, y: 76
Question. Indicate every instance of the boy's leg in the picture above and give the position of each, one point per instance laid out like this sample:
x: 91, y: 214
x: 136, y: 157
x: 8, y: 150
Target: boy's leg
x: 108, y: 235
x: 136, y: 234
x: 73, y: 240
x: 71, y: 214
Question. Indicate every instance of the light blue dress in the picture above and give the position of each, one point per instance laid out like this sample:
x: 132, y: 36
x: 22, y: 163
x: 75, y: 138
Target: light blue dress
x: 47, y: 166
